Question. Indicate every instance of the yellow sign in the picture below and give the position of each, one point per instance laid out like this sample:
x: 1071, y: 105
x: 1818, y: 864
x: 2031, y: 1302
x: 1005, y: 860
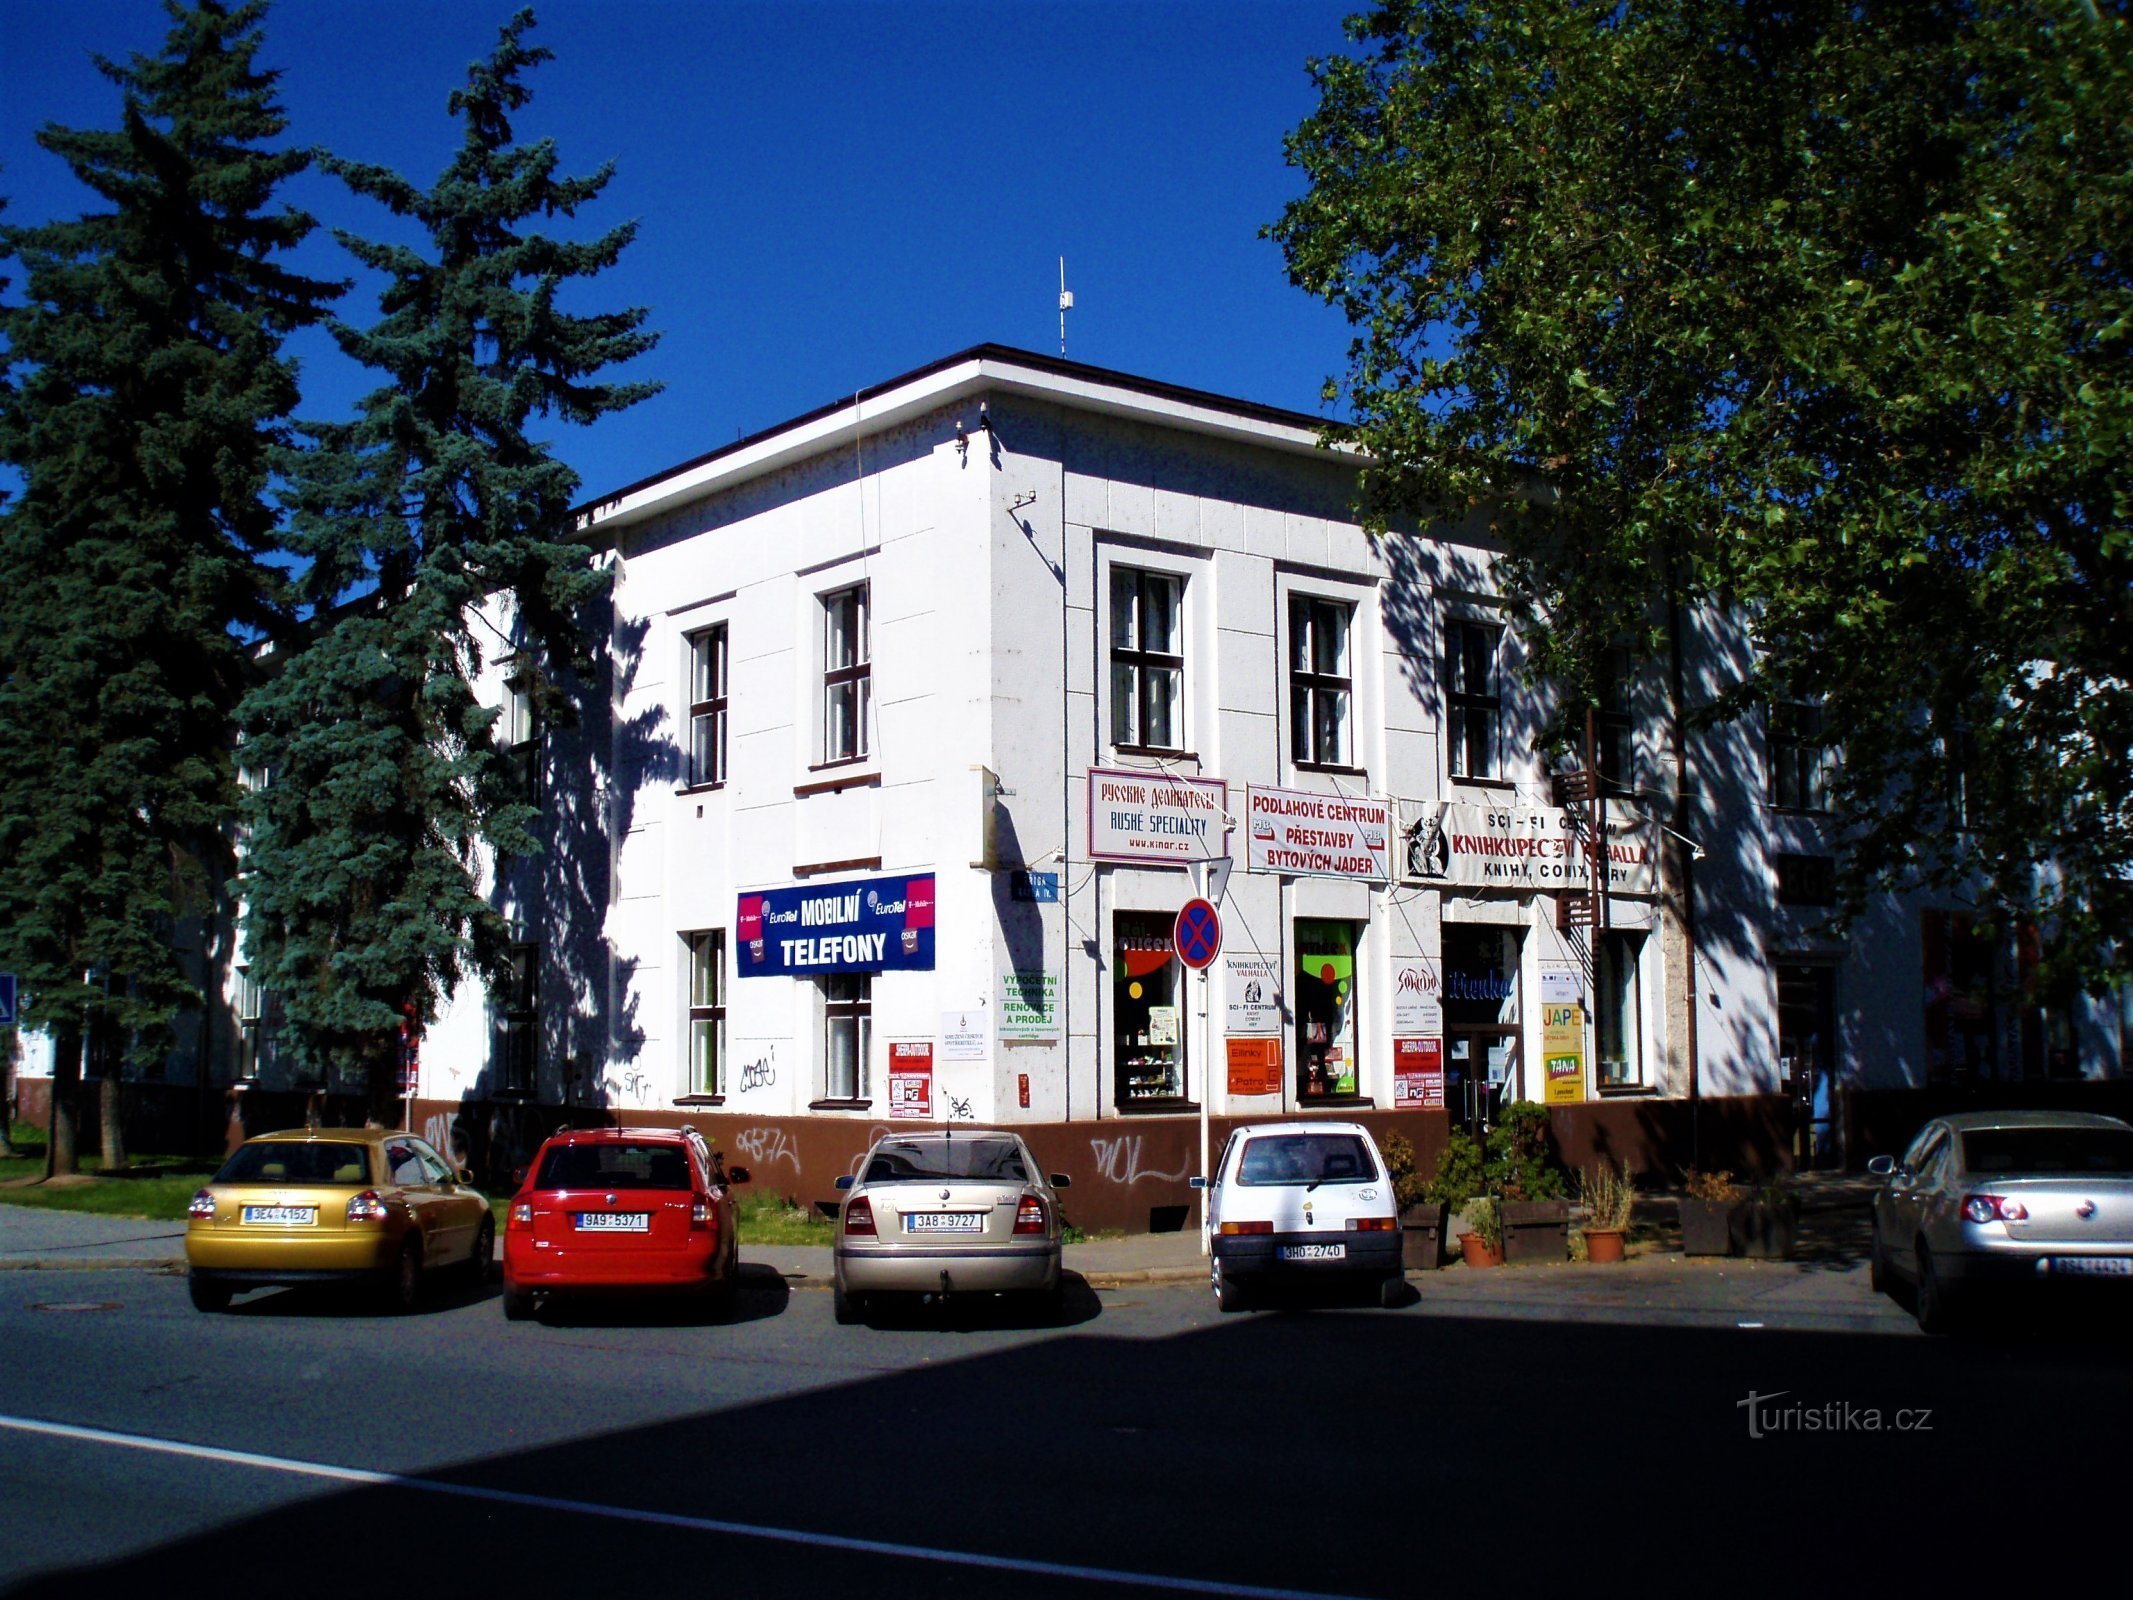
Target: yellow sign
x: 1563, y: 1054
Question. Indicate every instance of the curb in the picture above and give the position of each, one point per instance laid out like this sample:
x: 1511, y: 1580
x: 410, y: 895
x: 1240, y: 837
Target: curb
x: 95, y: 1264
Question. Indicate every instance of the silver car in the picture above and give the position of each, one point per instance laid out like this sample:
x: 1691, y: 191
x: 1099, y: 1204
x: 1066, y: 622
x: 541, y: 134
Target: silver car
x: 2006, y: 1198
x: 948, y: 1211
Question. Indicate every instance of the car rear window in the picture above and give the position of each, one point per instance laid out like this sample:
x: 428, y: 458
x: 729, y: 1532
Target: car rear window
x: 929, y: 1160
x: 1306, y: 1158
x: 2048, y: 1150
x: 296, y: 1161
x: 614, y: 1166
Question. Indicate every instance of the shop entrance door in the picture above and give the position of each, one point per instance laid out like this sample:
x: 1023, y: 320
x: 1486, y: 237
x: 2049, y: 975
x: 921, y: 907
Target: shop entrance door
x: 1481, y: 1022
x: 1481, y: 1075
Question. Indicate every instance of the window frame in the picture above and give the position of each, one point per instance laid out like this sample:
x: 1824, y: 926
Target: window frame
x: 1347, y: 1032
x: 1131, y: 1059
x: 1463, y: 703
x: 1799, y: 756
x: 1310, y: 687
x: 847, y: 618
x: 516, y: 1029
x: 519, y: 724
x: 1135, y: 667
x: 1618, y: 1008
x: 854, y: 1010
x: 706, y: 1011
x: 1615, y: 725
x: 255, y: 1026
x: 709, y: 662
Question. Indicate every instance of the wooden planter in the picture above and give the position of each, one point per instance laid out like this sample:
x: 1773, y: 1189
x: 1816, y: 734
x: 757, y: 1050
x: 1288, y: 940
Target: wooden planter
x: 1762, y: 1230
x: 1476, y: 1253
x: 1422, y: 1236
x: 1536, y: 1230
x: 1604, y: 1245
x: 1706, y: 1227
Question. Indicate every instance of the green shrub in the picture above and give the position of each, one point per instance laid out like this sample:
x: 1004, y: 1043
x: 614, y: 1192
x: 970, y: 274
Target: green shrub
x: 1522, y: 1161
x: 1459, y: 1176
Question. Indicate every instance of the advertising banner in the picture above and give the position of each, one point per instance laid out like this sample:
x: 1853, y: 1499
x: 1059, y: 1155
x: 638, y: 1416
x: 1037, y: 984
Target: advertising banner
x: 1251, y: 990
x: 1316, y: 835
x: 1418, y: 1074
x: 867, y: 925
x: 1518, y: 847
x: 1029, y: 1004
x: 1563, y: 1054
x: 1147, y: 816
x: 1254, y: 1066
x: 911, y: 1078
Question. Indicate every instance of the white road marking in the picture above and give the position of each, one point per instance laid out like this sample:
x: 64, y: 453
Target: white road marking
x: 363, y: 1477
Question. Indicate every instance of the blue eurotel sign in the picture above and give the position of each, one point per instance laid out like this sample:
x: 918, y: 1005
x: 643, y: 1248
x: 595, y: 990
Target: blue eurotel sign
x: 860, y: 925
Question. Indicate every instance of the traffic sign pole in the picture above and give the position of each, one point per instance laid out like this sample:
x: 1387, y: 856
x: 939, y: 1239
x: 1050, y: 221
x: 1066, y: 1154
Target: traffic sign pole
x: 1197, y: 938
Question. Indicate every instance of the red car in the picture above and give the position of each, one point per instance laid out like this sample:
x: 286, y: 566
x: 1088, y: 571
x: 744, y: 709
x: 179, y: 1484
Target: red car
x: 623, y: 1209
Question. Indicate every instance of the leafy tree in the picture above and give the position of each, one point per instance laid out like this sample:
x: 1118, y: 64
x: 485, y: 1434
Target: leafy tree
x: 149, y: 393
x: 1817, y: 313
x: 363, y: 882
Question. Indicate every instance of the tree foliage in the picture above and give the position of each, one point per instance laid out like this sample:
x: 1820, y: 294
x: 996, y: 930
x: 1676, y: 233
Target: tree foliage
x: 149, y: 392
x: 437, y: 538
x: 1818, y: 313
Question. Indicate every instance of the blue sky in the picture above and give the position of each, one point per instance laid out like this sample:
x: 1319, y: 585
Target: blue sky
x: 828, y: 194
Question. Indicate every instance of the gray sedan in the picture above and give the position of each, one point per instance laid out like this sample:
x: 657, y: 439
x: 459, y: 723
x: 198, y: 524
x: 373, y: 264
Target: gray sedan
x: 948, y: 1211
x: 2006, y: 1198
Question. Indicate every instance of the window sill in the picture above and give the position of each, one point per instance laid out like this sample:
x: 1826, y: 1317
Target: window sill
x: 840, y: 1105
x: 1152, y: 1107
x: 1332, y: 768
x: 699, y: 1099
x: 1506, y: 784
x: 1149, y: 752
x: 848, y: 780
x: 701, y: 788
x: 815, y: 869
x: 1335, y: 1102
x: 1625, y: 1091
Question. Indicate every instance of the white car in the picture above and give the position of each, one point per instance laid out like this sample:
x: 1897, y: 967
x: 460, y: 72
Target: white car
x: 1301, y: 1202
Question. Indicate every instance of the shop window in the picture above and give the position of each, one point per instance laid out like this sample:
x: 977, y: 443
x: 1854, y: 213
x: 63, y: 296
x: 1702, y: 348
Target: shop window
x: 707, y: 1013
x: 1325, y: 1010
x: 1147, y: 1023
x: 1147, y: 660
x: 1320, y: 682
x: 1473, y: 702
x: 1799, y: 757
x: 847, y: 674
x: 1617, y: 1011
x: 707, y: 706
x: 847, y: 1036
x: 517, y: 1019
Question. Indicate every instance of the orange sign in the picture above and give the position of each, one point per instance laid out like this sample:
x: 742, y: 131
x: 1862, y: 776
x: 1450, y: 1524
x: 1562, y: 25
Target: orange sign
x: 911, y: 1078
x: 1255, y: 1066
x: 1418, y: 1074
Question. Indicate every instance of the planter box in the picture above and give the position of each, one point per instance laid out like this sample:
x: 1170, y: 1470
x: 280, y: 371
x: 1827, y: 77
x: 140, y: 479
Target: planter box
x: 1422, y: 1236
x: 1706, y: 1227
x: 1536, y: 1230
x: 1763, y: 1231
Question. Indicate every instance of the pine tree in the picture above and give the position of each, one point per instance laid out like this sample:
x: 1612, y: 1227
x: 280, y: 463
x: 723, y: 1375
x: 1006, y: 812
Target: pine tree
x: 150, y: 394
x: 451, y: 529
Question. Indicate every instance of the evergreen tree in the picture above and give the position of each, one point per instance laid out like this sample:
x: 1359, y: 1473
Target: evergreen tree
x: 150, y: 393
x: 451, y: 528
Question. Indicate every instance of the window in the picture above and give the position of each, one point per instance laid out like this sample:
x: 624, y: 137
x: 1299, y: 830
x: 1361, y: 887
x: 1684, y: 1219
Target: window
x: 519, y: 729
x: 847, y: 1035
x: 257, y: 1013
x: 1319, y: 681
x: 1614, y: 749
x: 1617, y: 1015
x: 847, y: 674
x: 516, y: 1018
x: 1473, y: 707
x: 1325, y: 1009
x: 707, y: 706
x: 1147, y: 660
x: 1147, y: 1036
x: 707, y: 1012
x: 1799, y: 757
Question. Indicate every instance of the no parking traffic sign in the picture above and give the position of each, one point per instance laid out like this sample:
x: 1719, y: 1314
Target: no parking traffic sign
x: 1198, y: 934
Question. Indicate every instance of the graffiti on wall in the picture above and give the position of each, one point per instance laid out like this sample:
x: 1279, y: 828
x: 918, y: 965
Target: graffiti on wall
x: 1119, y: 1161
x: 441, y: 1132
x: 760, y: 1073
x: 765, y: 1147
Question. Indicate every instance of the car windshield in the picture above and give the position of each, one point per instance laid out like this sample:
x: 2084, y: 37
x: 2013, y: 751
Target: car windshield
x: 929, y: 1160
x: 614, y: 1166
x: 2042, y: 1151
x: 295, y: 1161
x: 1306, y: 1158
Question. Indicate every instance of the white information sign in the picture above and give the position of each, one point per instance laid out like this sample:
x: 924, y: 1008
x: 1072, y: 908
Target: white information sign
x: 1251, y: 989
x: 1517, y: 847
x: 1417, y: 997
x: 1148, y: 816
x: 1562, y: 986
x: 1029, y: 1005
x: 1317, y: 835
x: 965, y: 1035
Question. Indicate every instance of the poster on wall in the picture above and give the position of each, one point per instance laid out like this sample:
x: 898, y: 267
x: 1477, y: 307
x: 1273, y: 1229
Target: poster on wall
x: 965, y: 1036
x: 1029, y: 1004
x: 1417, y: 996
x: 1562, y: 986
x: 1563, y: 1054
x: 1418, y: 1074
x: 911, y: 1078
x: 1316, y: 835
x: 1518, y: 847
x: 867, y: 925
x: 1254, y: 1066
x: 1251, y: 989
x: 1150, y: 816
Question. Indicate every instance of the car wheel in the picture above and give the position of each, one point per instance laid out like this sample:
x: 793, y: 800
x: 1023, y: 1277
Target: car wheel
x: 1392, y: 1292
x: 1936, y: 1313
x: 208, y: 1296
x: 1229, y: 1293
x: 481, y: 1265
x: 1877, y: 1265
x: 403, y: 1285
x: 518, y: 1304
x: 848, y: 1308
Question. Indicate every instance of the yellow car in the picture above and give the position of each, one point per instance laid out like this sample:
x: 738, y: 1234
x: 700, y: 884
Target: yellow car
x: 327, y: 1205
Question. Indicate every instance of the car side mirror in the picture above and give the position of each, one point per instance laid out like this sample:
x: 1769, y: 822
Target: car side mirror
x: 518, y: 1176
x: 846, y: 1181
x: 1196, y: 1182
x: 1060, y: 1180
x: 1882, y: 1166
x: 736, y: 1174
x: 464, y: 1176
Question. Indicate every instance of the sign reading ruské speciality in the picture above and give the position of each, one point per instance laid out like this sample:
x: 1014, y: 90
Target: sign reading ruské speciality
x: 867, y: 925
x: 1148, y: 816
x: 1518, y: 847
x: 1318, y: 835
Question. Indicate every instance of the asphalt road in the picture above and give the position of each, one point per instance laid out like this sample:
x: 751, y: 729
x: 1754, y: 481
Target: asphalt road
x: 300, y: 1446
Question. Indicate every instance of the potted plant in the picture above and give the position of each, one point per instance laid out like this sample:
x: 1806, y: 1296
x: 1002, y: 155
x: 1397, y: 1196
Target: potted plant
x: 1527, y: 1179
x: 1482, y: 1243
x: 1423, y: 1211
x: 1707, y: 1212
x: 1764, y: 1223
x: 1608, y: 1198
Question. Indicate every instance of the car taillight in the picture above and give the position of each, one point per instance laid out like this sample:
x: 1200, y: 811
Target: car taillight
x: 1372, y: 1224
x: 859, y: 1215
x: 202, y: 1208
x: 1993, y: 1208
x: 700, y: 1214
x: 1029, y: 1216
x: 369, y: 1206
x: 1247, y: 1227
x: 521, y: 1214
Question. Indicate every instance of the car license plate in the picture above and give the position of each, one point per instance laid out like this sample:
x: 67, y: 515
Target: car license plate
x: 614, y: 1222
x: 1313, y: 1252
x: 945, y: 1222
x: 2094, y: 1266
x: 282, y: 1216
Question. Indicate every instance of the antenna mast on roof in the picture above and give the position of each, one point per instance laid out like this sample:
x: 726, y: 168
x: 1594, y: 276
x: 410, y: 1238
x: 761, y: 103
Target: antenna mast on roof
x: 1066, y: 304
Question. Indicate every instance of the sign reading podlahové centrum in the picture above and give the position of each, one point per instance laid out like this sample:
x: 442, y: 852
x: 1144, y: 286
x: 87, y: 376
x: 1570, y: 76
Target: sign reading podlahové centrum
x: 1152, y: 816
x: 1317, y: 835
x: 863, y: 925
x: 1517, y: 847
